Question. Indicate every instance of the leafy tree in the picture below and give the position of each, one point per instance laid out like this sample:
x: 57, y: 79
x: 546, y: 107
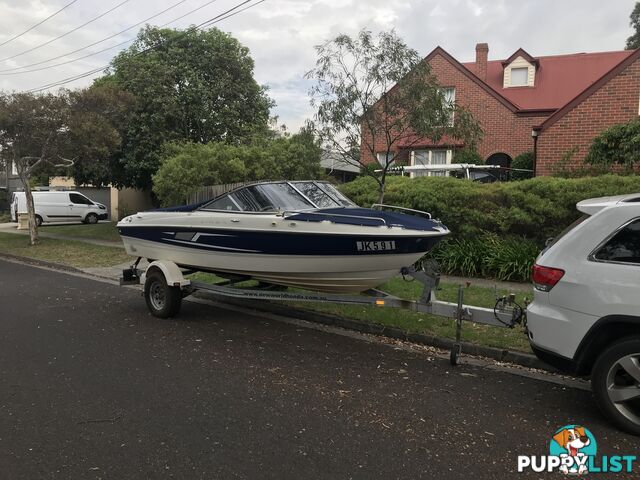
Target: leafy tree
x: 188, y: 166
x: 99, y: 115
x: 190, y: 86
x: 34, y: 130
x: 524, y: 161
x: 619, y: 144
x: 633, y: 41
x: 372, y: 91
x: 468, y: 155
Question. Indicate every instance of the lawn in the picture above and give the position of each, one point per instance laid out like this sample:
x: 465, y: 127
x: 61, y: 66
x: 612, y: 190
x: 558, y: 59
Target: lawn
x: 411, y: 322
x: 65, y: 252
x: 5, y: 217
x: 99, y: 231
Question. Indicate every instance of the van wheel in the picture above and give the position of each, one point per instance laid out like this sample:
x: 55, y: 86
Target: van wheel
x: 91, y: 219
x: 615, y: 382
x: 38, y: 220
x: 162, y: 300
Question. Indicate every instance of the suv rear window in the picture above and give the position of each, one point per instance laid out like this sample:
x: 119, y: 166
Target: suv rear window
x: 623, y: 247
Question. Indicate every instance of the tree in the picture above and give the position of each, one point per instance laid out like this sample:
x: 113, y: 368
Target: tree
x: 619, y: 144
x: 374, y: 94
x: 98, y: 119
x: 190, y: 86
x: 524, y: 161
x: 633, y: 41
x: 34, y: 130
x: 468, y: 155
x: 187, y: 167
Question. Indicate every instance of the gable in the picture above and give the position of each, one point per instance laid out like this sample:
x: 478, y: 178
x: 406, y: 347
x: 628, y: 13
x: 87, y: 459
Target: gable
x: 516, y: 65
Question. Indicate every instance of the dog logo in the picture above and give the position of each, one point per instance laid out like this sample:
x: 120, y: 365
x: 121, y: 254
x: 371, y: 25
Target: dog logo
x: 574, y: 445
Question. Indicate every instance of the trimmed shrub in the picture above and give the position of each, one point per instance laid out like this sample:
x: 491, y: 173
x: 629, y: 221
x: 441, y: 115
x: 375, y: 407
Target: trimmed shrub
x: 535, y: 209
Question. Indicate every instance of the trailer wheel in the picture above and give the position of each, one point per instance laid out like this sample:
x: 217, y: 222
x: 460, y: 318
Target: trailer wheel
x: 162, y: 300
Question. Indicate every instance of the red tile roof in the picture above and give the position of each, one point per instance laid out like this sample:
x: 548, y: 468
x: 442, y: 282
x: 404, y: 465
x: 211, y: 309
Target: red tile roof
x: 559, y: 78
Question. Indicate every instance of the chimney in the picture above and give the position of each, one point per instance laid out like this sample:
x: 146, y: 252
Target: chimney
x: 482, y: 54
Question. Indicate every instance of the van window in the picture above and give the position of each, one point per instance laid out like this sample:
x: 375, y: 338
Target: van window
x: 623, y: 247
x: 79, y: 199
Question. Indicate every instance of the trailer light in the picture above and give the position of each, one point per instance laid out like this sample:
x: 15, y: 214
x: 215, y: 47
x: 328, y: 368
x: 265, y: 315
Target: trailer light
x: 380, y: 303
x: 545, y: 278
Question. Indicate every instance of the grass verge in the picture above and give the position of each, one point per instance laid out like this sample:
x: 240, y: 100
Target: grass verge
x: 65, y: 252
x: 412, y: 322
x: 99, y: 231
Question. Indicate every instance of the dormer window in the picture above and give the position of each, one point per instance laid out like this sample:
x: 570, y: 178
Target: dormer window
x: 519, y: 77
x: 519, y: 70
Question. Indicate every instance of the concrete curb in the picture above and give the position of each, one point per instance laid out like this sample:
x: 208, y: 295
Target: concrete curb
x: 41, y: 263
x: 501, y: 355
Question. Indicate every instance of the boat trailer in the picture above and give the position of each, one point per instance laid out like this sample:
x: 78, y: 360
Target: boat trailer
x: 165, y: 285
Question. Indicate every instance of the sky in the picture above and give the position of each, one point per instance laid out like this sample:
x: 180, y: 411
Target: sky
x: 282, y: 34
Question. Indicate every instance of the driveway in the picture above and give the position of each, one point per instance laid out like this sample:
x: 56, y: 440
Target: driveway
x: 92, y: 386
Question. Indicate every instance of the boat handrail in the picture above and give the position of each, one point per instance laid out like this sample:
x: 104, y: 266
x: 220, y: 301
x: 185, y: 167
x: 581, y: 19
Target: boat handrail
x: 328, y: 214
x: 396, y: 207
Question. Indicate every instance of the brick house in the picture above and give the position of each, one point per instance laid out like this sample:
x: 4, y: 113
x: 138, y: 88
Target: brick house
x: 550, y: 105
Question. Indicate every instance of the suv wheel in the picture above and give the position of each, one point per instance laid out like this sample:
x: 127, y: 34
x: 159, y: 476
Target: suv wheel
x: 616, y: 383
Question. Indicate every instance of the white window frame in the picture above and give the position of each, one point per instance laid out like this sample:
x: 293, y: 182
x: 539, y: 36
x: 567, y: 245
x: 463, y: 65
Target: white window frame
x: 450, y: 100
x: 525, y: 80
x: 429, y: 158
x: 380, y: 157
x: 14, y: 169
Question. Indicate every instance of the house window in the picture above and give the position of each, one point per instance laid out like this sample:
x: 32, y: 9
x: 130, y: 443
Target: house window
x: 449, y: 94
x: 14, y: 169
x: 430, y: 157
x: 385, y: 158
x: 519, y: 77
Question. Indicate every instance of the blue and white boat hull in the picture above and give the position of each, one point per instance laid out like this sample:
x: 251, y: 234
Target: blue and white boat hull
x: 284, y: 250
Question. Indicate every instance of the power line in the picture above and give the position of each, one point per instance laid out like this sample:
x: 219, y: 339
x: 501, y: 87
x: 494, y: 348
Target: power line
x: 13, y: 70
x: 38, y: 24
x: 240, y: 11
x: 218, y: 18
x: 66, y: 33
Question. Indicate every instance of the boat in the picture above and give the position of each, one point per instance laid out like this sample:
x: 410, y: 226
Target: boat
x: 303, y: 234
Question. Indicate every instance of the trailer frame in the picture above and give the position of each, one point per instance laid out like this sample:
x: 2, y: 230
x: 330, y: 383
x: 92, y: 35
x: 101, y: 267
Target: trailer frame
x: 165, y: 285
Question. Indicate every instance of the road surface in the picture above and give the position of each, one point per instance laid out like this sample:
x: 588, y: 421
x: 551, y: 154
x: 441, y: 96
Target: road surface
x: 93, y: 387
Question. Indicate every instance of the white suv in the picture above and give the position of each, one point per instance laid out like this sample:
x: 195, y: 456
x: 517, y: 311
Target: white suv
x: 585, y: 316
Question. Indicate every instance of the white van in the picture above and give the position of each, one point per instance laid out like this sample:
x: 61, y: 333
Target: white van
x: 59, y: 207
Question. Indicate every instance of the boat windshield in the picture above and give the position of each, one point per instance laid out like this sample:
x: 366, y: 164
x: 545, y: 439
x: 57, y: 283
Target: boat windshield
x: 280, y: 196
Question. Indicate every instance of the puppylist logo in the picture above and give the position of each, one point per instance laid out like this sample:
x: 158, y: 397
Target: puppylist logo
x: 573, y: 451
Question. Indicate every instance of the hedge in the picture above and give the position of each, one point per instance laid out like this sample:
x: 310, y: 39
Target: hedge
x: 534, y: 209
x: 487, y: 255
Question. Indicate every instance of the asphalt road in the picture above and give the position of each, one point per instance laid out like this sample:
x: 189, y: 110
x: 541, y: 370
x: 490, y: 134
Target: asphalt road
x: 92, y: 386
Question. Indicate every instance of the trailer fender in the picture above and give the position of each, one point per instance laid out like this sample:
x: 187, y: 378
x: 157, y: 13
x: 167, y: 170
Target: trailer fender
x: 171, y: 273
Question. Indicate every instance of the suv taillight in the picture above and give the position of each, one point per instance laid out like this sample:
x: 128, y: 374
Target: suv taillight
x: 545, y: 278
